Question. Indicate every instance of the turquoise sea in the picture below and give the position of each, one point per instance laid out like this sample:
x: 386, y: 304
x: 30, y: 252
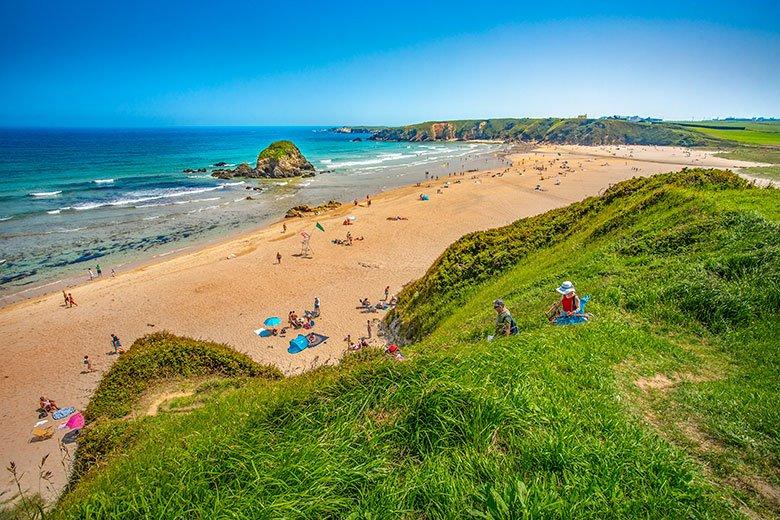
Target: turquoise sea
x: 71, y: 199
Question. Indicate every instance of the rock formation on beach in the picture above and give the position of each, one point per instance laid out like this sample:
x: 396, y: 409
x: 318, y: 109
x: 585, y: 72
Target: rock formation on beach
x: 281, y: 159
x: 305, y: 209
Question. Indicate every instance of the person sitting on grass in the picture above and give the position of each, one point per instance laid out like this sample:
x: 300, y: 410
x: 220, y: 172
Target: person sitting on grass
x: 505, y: 323
x: 569, y: 304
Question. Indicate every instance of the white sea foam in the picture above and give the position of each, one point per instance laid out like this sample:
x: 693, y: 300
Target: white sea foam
x: 145, y: 196
x: 54, y: 212
x: 44, y: 194
x: 103, y: 181
x: 326, y: 161
x: 227, y: 184
x: 153, y: 217
x: 239, y: 199
x: 6, y: 218
x: 204, y: 200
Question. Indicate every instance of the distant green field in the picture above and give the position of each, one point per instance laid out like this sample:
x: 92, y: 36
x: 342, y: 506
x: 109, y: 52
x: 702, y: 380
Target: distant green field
x: 748, y: 132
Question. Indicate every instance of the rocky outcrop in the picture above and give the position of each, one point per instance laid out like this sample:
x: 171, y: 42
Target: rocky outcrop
x: 305, y: 209
x: 282, y: 159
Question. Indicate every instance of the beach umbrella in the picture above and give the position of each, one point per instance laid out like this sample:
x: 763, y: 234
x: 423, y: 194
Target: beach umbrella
x: 298, y: 344
x: 264, y: 333
x: 272, y: 321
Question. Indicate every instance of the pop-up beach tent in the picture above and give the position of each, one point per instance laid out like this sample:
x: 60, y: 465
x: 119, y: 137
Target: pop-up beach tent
x: 298, y: 344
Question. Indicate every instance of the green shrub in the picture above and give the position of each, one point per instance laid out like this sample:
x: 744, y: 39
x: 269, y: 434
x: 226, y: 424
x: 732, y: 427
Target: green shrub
x: 161, y: 356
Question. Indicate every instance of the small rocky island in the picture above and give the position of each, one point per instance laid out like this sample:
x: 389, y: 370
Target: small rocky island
x: 282, y: 159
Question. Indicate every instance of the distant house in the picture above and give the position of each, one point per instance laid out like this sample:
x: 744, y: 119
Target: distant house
x: 582, y: 116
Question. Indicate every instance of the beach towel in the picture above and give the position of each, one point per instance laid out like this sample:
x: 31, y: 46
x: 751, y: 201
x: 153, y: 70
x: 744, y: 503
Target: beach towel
x: 315, y: 339
x: 62, y: 413
x: 41, y: 433
x: 298, y: 344
x: 580, y: 317
x: 76, y: 421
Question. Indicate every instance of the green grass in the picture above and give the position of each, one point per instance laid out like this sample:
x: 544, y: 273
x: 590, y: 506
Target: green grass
x: 767, y: 155
x: 684, y: 273
x: 278, y: 149
x: 747, y: 132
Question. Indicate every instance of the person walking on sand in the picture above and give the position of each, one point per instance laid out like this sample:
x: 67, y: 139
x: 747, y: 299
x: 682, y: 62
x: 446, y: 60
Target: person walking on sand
x: 115, y: 343
x: 71, y: 301
x: 99, y: 271
x: 278, y: 257
x: 88, y: 365
x: 387, y: 292
x: 113, y: 273
x: 91, y: 274
x: 317, y: 306
x: 67, y: 302
x: 368, y: 328
x: 284, y: 228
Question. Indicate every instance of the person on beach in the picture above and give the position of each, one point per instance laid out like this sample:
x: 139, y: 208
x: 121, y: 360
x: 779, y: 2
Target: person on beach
x: 316, y: 306
x: 570, y: 303
x: 387, y: 292
x: 348, y: 340
x: 67, y: 302
x: 505, y: 323
x: 91, y: 274
x: 284, y: 228
x: 98, y: 270
x: 115, y: 343
x: 88, y: 368
x: 71, y: 301
x: 113, y: 273
x: 48, y: 405
x: 368, y: 328
x: 278, y: 257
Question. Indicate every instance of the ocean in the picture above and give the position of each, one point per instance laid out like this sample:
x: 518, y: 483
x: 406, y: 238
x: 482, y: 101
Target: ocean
x: 73, y: 199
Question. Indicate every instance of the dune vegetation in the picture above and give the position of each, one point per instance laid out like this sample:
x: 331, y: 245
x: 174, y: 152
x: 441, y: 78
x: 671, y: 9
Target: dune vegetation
x: 664, y: 405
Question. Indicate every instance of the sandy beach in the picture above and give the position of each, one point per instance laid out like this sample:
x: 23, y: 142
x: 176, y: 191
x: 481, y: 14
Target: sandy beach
x: 223, y: 292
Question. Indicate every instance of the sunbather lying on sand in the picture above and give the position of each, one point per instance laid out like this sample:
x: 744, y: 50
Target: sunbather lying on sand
x: 397, y: 217
x: 48, y: 405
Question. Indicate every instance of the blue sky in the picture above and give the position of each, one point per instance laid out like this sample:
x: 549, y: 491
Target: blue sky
x: 170, y: 62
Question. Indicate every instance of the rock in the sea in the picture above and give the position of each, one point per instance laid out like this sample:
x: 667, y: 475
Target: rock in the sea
x: 283, y: 159
x: 220, y: 164
x: 357, y: 140
x: 280, y: 160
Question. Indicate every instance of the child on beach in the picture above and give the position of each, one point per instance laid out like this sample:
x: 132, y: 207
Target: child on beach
x: 278, y: 257
x: 113, y: 273
x: 71, y: 301
x: 91, y: 274
x: 88, y: 365
x: 67, y: 302
x: 99, y: 271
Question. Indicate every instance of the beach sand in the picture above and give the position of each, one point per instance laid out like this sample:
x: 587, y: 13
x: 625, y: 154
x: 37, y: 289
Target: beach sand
x: 223, y: 292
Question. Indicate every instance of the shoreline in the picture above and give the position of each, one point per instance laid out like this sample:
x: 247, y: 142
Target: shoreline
x: 74, y: 276
x: 222, y: 292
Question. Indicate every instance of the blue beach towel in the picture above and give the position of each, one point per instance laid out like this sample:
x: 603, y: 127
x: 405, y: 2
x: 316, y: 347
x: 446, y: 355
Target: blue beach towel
x: 63, y: 412
x: 580, y: 317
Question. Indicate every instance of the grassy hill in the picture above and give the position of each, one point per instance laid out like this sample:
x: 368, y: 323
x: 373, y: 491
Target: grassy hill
x: 663, y: 406
x: 553, y: 130
x: 762, y: 133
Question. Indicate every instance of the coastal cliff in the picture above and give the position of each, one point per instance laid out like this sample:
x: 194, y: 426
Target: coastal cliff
x: 579, y: 131
x: 281, y: 159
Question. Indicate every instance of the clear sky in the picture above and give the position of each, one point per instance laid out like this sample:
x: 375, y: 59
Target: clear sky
x: 171, y: 62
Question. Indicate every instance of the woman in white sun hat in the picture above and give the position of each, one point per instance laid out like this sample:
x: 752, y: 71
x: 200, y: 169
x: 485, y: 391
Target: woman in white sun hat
x: 569, y: 304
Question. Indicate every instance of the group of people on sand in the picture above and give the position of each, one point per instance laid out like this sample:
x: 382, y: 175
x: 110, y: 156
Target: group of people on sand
x: 569, y: 305
x: 69, y: 301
